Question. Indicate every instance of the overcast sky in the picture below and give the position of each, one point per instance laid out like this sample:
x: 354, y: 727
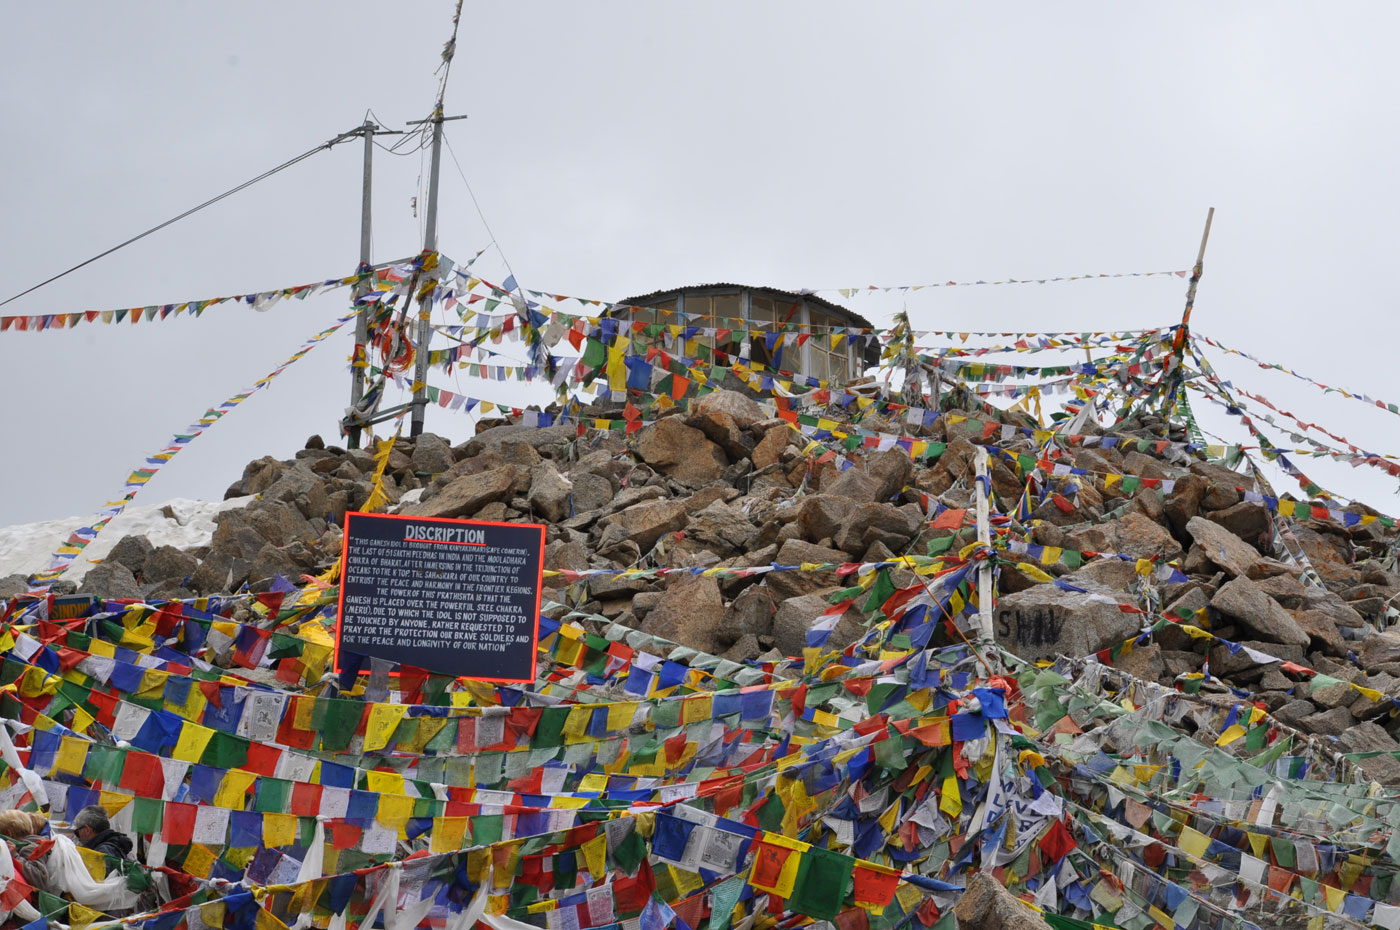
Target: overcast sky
x: 616, y: 148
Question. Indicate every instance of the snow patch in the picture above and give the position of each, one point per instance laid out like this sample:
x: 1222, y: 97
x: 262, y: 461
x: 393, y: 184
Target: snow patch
x: 182, y: 523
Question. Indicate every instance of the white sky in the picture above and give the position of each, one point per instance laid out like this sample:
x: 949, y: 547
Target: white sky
x: 621, y: 147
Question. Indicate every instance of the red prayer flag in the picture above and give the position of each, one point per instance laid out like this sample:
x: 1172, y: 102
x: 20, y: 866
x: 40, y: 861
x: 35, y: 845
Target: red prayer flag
x: 874, y: 886
x: 1057, y: 842
x: 950, y: 519
x: 177, y: 829
x: 142, y: 775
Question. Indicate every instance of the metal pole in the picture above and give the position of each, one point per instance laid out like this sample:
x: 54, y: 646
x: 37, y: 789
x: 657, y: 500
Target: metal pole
x: 420, y: 360
x: 983, y: 486
x: 358, y: 361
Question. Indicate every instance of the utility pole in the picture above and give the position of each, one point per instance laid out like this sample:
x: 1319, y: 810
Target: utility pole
x: 360, y: 357
x: 425, y: 306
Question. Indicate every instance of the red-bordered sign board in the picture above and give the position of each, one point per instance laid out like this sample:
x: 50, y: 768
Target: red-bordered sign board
x: 456, y: 597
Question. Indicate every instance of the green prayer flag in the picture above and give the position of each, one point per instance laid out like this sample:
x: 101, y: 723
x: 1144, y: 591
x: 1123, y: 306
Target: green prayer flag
x: 724, y: 896
x: 486, y: 829
x: 627, y: 855
x: 340, y: 720
x: 271, y: 795
x: 882, y: 590
x: 594, y: 355
x: 822, y: 877
x: 225, y: 751
x: 770, y: 815
x: 147, y: 815
x: 103, y: 763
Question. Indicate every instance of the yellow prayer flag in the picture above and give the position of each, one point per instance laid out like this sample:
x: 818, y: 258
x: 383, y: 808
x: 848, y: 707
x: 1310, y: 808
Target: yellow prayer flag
x: 950, y: 802
x: 394, y: 812
x: 695, y: 709
x: 1033, y: 573
x: 595, y: 781
x: 620, y: 715
x: 448, y: 833
x: 279, y: 830
x: 383, y: 720
x: 687, y: 882
x: 565, y: 802
x: 908, y: 894
x: 595, y: 857
x: 234, y: 788
x: 1371, y: 693
x: 1193, y: 842
x: 95, y: 861
x: 1335, y: 897
x: 887, y: 818
x: 80, y: 917
x: 384, y: 782
x: 72, y: 752
x: 190, y: 746
x: 1232, y: 733
x: 82, y: 719
x: 576, y: 723
x: 199, y: 861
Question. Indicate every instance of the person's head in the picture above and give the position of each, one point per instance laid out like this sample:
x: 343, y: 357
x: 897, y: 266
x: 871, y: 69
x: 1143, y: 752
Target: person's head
x: 90, y: 823
x: 19, y: 824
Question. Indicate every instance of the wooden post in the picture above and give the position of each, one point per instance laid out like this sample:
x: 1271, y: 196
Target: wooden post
x: 982, y: 490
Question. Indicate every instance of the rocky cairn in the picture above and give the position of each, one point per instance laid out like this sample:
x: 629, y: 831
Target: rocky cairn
x: 724, y: 484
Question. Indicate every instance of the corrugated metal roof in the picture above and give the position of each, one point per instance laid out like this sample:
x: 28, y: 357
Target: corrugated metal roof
x: 855, y: 318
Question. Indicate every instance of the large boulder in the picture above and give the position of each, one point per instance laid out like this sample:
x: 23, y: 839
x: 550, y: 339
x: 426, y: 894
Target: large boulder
x: 796, y: 615
x: 820, y: 516
x: 1370, y: 737
x: 110, y: 580
x: 1249, y: 520
x: 1133, y: 535
x: 1241, y: 600
x: 878, y: 478
x: 279, y: 523
x: 168, y: 564
x: 1330, y: 555
x: 740, y: 408
x: 1223, y: 547
x: 590, y: 491
x: 1046, y: 621
x: 769, y: 449
x: 303, y: 488
x: 131, y: 551
x: 1379, y: 649
x: 466, y: 495
x: 750, y: 613
x: 866, y: 524
x: 432, y: 455
x: 722, y: 529
x: 1183, y: 503
x: 681, y: 452
x: 690, y: 612
x: 543, y: 439
x: 1222, y: 485
x: 549, y: 492
x: 722, y: 429
x: 645, y: 523
x: 987, y: 905
x: 787, y: 584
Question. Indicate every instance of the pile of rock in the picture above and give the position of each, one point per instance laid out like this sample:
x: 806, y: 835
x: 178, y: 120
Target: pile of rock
x: 724, y: 484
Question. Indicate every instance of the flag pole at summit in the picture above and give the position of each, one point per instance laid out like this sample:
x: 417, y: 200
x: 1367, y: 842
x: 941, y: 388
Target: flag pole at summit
x: 1179, y: 341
